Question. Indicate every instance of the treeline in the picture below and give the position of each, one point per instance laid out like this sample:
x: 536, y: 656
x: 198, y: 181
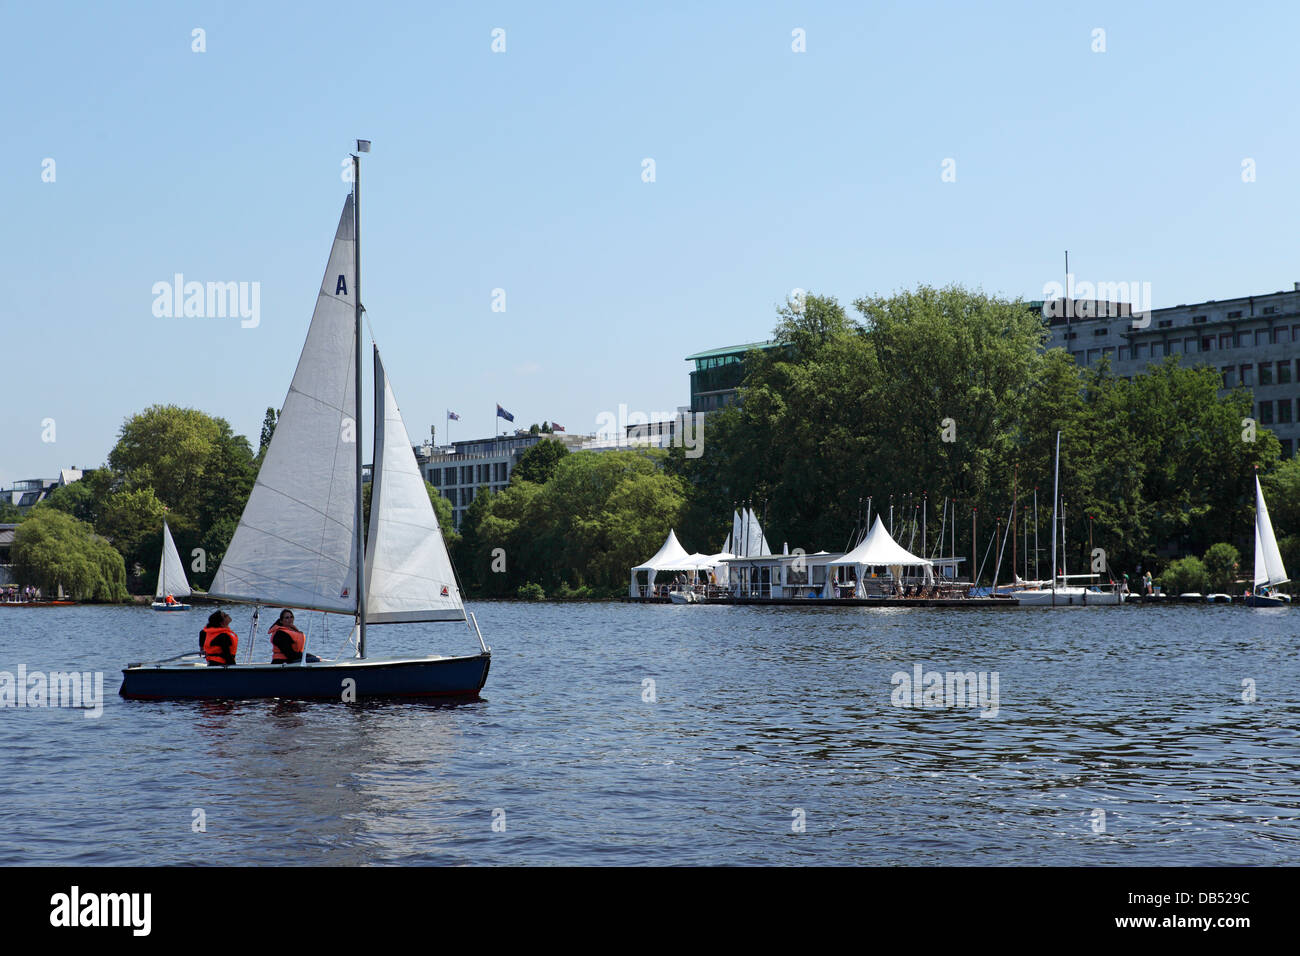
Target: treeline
x: 568, y: 525
x: 942, y: 393
x: 950, y: 394
x: 174, y: 463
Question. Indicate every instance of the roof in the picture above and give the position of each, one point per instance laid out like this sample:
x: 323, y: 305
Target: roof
x: 880, y: 549
x: 732, y: 350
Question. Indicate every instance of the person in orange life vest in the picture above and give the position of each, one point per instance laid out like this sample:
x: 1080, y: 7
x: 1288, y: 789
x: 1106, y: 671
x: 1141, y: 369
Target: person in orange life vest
x: 287, y: 642
x: 217, y: 641
x: 169, y: 600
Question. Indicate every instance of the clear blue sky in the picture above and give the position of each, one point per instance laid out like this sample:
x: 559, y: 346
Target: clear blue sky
x: 522, y: 171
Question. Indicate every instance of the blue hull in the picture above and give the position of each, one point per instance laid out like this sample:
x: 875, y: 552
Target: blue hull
x: 170, y: 607
x: 450, y: 677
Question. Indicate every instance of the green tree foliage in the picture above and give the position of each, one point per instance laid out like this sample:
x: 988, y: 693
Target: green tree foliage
x: 9, y: 513
x: 598, y: 515
x: 82, y: 499
x: 537, y: 463
x: 52, y: 549
x: 1222, y: 567
x: 268, y: 429
x: 196, y: 466
x: 132, y: 522
x: 1183, y: 576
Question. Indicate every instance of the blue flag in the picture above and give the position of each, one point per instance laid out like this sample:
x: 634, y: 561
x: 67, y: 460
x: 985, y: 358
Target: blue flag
x: 502, y: 413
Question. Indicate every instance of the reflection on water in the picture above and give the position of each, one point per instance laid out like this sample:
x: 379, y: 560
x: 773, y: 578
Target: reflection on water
x: 756, y: 715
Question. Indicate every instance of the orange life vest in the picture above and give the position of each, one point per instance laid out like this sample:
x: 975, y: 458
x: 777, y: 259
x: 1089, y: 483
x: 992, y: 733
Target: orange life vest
x: 214, y: 652
x: 170, y: 600
x: 298, y: 643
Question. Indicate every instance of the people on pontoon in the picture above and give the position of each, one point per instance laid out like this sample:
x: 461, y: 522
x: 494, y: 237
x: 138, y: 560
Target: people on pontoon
x: 287, y: 642
x: 217, y: 642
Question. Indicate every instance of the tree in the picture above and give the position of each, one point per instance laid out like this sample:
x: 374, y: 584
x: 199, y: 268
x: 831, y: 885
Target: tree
x: 538, y: 463
x: 1222, y: 564
x: 268, y: 429
x: 132, y: 521
x: 9, y: 513
x: 82, y: 499
x: 195, y: 465
x: 1186, y: 575
x: 53, y: 549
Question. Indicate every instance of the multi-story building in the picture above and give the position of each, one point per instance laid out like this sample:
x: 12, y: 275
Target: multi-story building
x: 1253, y: 341
x: 28, y: 492
x: 715, y: 383
x: 460, y: 469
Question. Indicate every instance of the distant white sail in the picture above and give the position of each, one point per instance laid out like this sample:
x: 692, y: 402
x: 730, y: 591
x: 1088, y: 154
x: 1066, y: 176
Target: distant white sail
x: 1268, y: 559
x: 171, y: 573
x: 408, y: 572
x: 295, y: 545
x: 756, y: 542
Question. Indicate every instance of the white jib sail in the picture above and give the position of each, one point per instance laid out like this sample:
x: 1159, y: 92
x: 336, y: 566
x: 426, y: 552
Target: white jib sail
x: 171, y: 573
x: 408, y: 571
x: 295, y: 545
x: 1268, y: 559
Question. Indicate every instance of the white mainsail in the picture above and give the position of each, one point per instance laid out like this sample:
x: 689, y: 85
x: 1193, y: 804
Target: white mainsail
x: 171, y: 573
x: 1268, y: 559
x: 295, y: 545
x: 408, y: 572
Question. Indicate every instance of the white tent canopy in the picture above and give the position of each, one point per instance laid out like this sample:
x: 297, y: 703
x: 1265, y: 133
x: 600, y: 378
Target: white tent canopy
x: 879, y: 549
x: 671, y: 557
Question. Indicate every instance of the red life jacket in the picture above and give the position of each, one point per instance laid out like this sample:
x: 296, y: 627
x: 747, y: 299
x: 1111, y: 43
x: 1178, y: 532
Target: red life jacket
x: 298, y: 643
x: 215, y: 652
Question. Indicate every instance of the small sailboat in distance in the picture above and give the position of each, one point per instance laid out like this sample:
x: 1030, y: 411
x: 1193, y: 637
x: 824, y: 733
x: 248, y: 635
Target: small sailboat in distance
x: 172, y: 585
x: 299, y: 542
x: 1269, y: 571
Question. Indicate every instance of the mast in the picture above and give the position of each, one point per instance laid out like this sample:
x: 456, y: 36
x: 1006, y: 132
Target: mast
x: 356, y: 291
x: 1056, y: 481
x: 1014, y: 475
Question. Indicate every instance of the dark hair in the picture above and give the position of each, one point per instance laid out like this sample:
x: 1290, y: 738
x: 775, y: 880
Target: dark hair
x: 214, y: 619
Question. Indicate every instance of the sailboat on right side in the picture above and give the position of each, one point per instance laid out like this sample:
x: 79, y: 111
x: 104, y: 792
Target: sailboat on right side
x: 1269, y: 571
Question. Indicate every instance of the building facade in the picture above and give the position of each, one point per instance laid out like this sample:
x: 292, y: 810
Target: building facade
x: 715, y: 381
x: 460, y: 469
x: 1252, y: 341
x: 28, y: 492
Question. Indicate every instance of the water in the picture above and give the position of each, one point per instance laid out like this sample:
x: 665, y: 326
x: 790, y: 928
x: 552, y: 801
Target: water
x: 759, y: 713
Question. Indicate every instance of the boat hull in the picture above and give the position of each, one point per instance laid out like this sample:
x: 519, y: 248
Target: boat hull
x: 1068, y: 597
x: 442, y: 677
x: 170, y: 607
x: 1260, y: 600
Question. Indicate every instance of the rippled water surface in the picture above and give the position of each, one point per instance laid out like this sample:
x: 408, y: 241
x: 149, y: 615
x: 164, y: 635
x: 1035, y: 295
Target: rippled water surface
x: 758, y: 713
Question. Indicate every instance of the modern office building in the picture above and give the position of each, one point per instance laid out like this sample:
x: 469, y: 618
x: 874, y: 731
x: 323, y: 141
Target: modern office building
x: 715, y: 382
x: 1253, y: 341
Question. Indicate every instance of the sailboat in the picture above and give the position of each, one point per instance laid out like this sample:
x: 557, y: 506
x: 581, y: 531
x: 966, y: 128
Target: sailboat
x: 1269, y: 571
x: 1064, y: 594
x: 171, y: 577
x: 299, y: 542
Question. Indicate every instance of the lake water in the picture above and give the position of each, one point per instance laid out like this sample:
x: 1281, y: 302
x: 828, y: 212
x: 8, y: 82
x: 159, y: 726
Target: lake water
x: 763, y: 722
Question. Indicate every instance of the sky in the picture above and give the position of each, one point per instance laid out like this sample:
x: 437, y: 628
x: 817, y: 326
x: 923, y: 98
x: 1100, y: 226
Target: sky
x: 905, y: 143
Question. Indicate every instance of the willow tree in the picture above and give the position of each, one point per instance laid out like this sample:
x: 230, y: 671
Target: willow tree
x: 53, y: 549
